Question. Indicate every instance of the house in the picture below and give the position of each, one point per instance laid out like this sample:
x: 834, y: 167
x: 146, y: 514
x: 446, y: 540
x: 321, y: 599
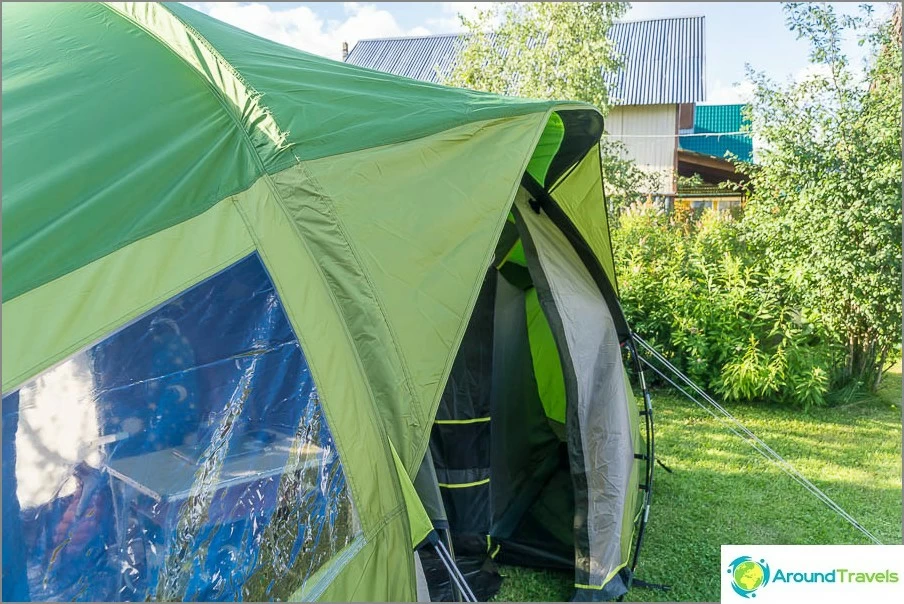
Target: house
x: 654, y: 94
x: 708, y: 150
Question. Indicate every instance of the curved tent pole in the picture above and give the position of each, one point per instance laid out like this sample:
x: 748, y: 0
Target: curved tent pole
x: 649, y: 456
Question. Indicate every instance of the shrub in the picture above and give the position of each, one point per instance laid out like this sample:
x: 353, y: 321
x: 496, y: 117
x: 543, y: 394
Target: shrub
x: 689, y: 286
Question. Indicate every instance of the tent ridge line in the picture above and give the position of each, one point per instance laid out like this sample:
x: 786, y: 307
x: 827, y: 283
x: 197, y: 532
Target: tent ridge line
x: 547, y: 108
x: 482, y: 123
x: 241, y: 110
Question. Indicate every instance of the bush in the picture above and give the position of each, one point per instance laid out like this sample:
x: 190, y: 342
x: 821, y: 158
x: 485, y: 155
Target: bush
x: 689, y: 286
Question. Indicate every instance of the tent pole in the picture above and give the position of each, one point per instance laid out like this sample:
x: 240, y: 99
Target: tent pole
x: 458, y: 580
x: 456, y: 592
x: 649, y: 457
x: 453, y: 569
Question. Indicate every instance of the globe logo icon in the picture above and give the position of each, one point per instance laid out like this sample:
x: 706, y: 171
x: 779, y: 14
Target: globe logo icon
x: 748, y: 575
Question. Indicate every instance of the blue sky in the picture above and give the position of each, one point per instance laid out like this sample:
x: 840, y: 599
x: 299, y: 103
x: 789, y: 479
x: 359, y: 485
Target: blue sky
x: 736, y: 32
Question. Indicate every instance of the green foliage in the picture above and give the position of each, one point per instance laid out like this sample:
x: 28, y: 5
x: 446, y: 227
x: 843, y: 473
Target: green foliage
x: 825, y: 198
x: 691, y: 286
x: 799, y: 301
x: 546, y: 50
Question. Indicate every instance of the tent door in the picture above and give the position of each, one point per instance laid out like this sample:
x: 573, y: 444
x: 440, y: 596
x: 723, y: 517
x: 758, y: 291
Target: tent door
x: 532, y: 444
x: 598, y: 428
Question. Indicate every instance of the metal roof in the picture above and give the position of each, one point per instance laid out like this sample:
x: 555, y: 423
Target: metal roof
x: 663, y: 59
x: 716, y: 120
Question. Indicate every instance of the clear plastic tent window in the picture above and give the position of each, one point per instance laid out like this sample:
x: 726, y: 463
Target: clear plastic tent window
x: 185, y: 457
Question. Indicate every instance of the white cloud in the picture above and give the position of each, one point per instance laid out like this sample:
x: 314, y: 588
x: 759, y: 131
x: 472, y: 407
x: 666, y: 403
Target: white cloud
x: 302, y: 28
x: 728, y: 94
x: 449, y: 22
x: 811, y: 70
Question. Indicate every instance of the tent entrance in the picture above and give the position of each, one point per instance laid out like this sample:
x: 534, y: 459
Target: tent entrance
x: 528, y: 442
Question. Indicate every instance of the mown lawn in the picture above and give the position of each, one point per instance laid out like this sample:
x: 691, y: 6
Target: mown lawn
x: 722, y: 491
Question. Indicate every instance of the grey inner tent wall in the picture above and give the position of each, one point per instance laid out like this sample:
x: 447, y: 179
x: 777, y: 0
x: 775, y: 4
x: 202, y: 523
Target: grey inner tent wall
x: 525, y: 451
x: 600, y: 443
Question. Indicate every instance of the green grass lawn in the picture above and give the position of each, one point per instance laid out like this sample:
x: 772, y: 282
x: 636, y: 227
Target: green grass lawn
x: 722, y: 491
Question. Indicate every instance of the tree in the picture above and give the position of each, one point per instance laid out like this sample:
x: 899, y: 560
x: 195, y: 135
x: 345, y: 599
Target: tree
x: 824, y: 206
x: 546, y: 50
x: 552, y: 50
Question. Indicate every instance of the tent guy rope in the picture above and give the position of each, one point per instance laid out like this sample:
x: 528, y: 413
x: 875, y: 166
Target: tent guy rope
x: 732, y: 423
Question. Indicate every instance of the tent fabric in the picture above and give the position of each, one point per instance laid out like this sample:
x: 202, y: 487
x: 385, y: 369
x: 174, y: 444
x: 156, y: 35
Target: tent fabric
x: 332, y: 357
x: 108, y: 138
x: 547, y: 366
x: 423, y: 589
x: 345, y: 108
x: 418, y: 520
x: 407, y: 269
x: 579, y: 198
x: 147, y: 148
x: 460, y: 443
x: 82, y: 306
x: 201, y: 99
x: 547, y: 147
x: 427, y: 486
x: 600, y: 441
x: 524, y: 447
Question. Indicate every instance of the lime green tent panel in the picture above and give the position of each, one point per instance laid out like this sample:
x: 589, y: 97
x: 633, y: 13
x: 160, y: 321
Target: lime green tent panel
x: 634, y: 499
x: 406, y: 266
x: 545, y: 356
x: 580, y: 196
x: 418, y: 520
x: 550, y: 141
x: 383, y: 571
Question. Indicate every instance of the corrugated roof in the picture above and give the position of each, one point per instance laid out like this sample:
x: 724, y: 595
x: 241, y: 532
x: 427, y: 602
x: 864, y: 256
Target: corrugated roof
x: 715, y: 119
x: 663, y: 59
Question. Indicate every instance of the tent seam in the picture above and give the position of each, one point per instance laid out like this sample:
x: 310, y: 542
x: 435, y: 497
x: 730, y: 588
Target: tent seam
x: 327, y: 409
x: 254, y: 94
x: 218, y: 92
x: 108, y: 328
x: 409, y: 382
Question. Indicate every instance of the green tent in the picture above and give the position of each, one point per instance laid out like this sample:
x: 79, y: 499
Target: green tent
x: 271, y: 322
